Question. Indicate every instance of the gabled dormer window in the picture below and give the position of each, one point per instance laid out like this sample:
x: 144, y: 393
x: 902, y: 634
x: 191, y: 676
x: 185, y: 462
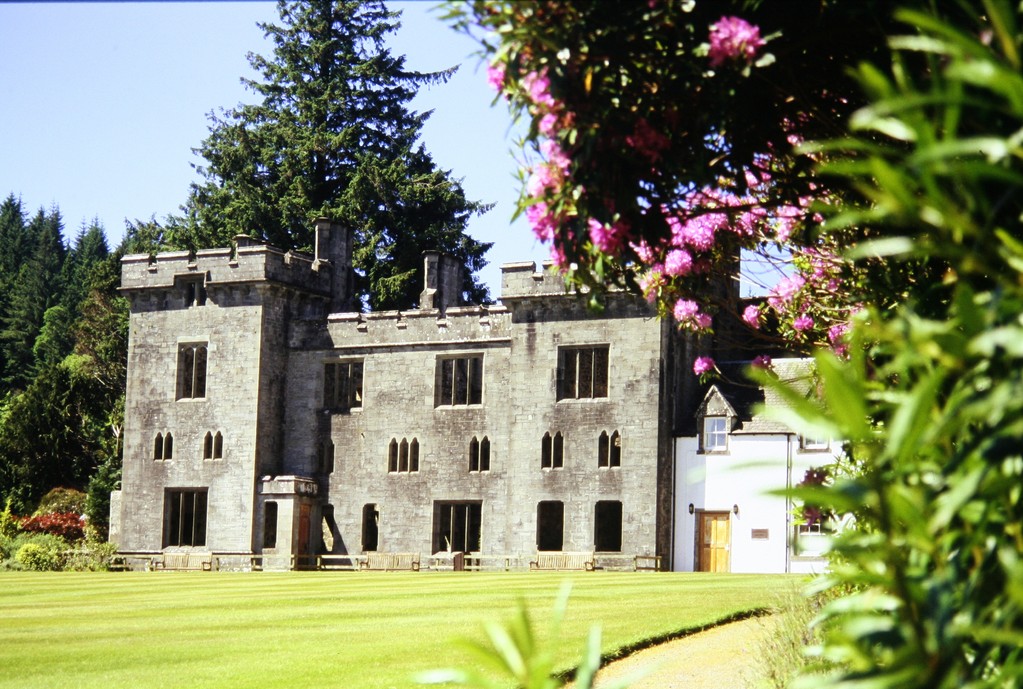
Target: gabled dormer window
x: 715, y: 434
x: 715, y: 419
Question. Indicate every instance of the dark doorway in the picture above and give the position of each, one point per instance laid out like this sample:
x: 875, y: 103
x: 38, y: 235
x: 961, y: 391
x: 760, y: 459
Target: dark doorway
x: 370, y: 528
x: 550, y: 525
x: 607, y: 526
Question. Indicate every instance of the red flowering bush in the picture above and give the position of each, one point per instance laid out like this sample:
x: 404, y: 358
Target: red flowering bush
x: 66, y: 525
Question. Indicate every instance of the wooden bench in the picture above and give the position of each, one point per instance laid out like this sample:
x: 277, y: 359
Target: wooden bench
x: 341, y: 562
x: 562, y: 560
x: 200, y: 562
x: 390, y: 562
x: 478, y: 562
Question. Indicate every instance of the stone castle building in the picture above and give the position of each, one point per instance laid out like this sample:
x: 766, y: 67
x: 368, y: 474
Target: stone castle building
x: 265, y: 416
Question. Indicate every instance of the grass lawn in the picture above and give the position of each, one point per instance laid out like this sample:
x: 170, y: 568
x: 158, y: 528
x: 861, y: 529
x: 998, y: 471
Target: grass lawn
x: 316, y: 629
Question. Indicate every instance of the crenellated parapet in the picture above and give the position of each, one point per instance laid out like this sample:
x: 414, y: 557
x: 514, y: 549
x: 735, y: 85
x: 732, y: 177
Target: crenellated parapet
x: 523, y: 280
x: 246, y: 263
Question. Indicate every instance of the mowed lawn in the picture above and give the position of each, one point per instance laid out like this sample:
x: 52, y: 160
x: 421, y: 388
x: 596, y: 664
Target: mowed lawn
x: 318, y: 629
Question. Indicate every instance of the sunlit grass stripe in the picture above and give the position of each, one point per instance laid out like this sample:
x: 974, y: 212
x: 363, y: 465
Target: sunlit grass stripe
x: 194, y: 629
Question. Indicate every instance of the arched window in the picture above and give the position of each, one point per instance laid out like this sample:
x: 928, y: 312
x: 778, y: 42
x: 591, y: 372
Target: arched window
x: 413, y: 460
x: 552, y: 451
x: 192, y: 371
x: 485, y: 454
x: 218, y: 446
x: 207, y: 446
x: 609, y: 450
x: 479, y: 454
x: 392, y: 456
x: 403, y: 457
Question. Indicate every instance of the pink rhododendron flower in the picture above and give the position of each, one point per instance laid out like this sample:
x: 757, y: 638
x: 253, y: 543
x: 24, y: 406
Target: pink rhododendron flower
x: 539, y: 88
x: 607, y: 238
x: 544, y: 177
x: 644, y: 252
x: 686, y: 309
x: 495, y: 76
x: 678, y: 262
x: 702, y: 320
x: 554, y: 154
x: 785, y: 290
x: 651, y: 282
x: 703, y: 364
x: 786, y: 219
x: 837, y: 333
x: 733, y: 38
x: 802, y: 323
x: 558, y: 257
x: 763, y: 361
x: 751, y: 316
x: 543, y: 222
x: 698, y: 231
x: 548, y: 124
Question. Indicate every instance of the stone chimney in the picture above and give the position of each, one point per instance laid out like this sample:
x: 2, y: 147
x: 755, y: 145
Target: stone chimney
x: 333, y: 249
x: 442, y: 281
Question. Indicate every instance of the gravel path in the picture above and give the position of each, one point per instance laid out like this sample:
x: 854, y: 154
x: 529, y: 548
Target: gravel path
x: 719, y: 657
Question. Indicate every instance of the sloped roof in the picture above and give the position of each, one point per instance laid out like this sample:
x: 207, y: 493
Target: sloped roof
x: 747, y: 398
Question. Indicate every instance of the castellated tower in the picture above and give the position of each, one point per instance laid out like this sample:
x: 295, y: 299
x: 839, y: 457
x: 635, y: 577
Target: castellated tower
x: 207, y: 360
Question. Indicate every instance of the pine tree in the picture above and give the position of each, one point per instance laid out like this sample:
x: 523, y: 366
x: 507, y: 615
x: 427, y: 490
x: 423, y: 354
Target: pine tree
x: 334, y: 136
x: 38, y: 286
x: 89, y: 250
x: 14, y: 241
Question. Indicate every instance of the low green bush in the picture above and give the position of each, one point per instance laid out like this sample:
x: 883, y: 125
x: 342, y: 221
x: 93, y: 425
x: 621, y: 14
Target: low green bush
x: 46, y: 553
x: 61, y: 500
x: 38, y: 558
x: 90, y: 556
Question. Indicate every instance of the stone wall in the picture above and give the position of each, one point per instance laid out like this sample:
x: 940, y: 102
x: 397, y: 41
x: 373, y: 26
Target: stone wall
x: 269, y: 323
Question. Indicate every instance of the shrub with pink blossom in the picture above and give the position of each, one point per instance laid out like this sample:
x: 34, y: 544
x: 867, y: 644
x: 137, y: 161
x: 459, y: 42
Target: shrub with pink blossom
x: 656, y: 172
x: 733, y: 38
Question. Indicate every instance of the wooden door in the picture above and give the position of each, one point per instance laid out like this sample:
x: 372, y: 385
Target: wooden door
x: 713, y: 541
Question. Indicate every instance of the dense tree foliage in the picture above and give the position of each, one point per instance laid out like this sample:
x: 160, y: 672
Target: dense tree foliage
x: 63, y: 344
x: 332, y: 135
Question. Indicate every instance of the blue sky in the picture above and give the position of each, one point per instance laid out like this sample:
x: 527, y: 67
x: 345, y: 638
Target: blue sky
x: 101, y: 104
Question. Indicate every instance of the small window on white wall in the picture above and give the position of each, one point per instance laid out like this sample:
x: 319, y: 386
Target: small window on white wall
x: 809, y: 443
x: 715, y: 434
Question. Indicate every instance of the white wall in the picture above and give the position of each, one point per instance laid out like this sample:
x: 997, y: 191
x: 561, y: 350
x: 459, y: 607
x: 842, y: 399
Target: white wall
x: 753, y: 466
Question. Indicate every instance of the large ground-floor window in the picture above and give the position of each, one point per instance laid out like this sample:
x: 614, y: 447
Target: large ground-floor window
x: 185, y: 514
x: 457, y: 526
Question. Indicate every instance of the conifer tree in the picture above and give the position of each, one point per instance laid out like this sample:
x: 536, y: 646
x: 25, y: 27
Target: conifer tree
x: 13, y: 247
x: 333, y: 136
x: 13, y: 241
x: 89, y: 250
x: 38, y: 286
